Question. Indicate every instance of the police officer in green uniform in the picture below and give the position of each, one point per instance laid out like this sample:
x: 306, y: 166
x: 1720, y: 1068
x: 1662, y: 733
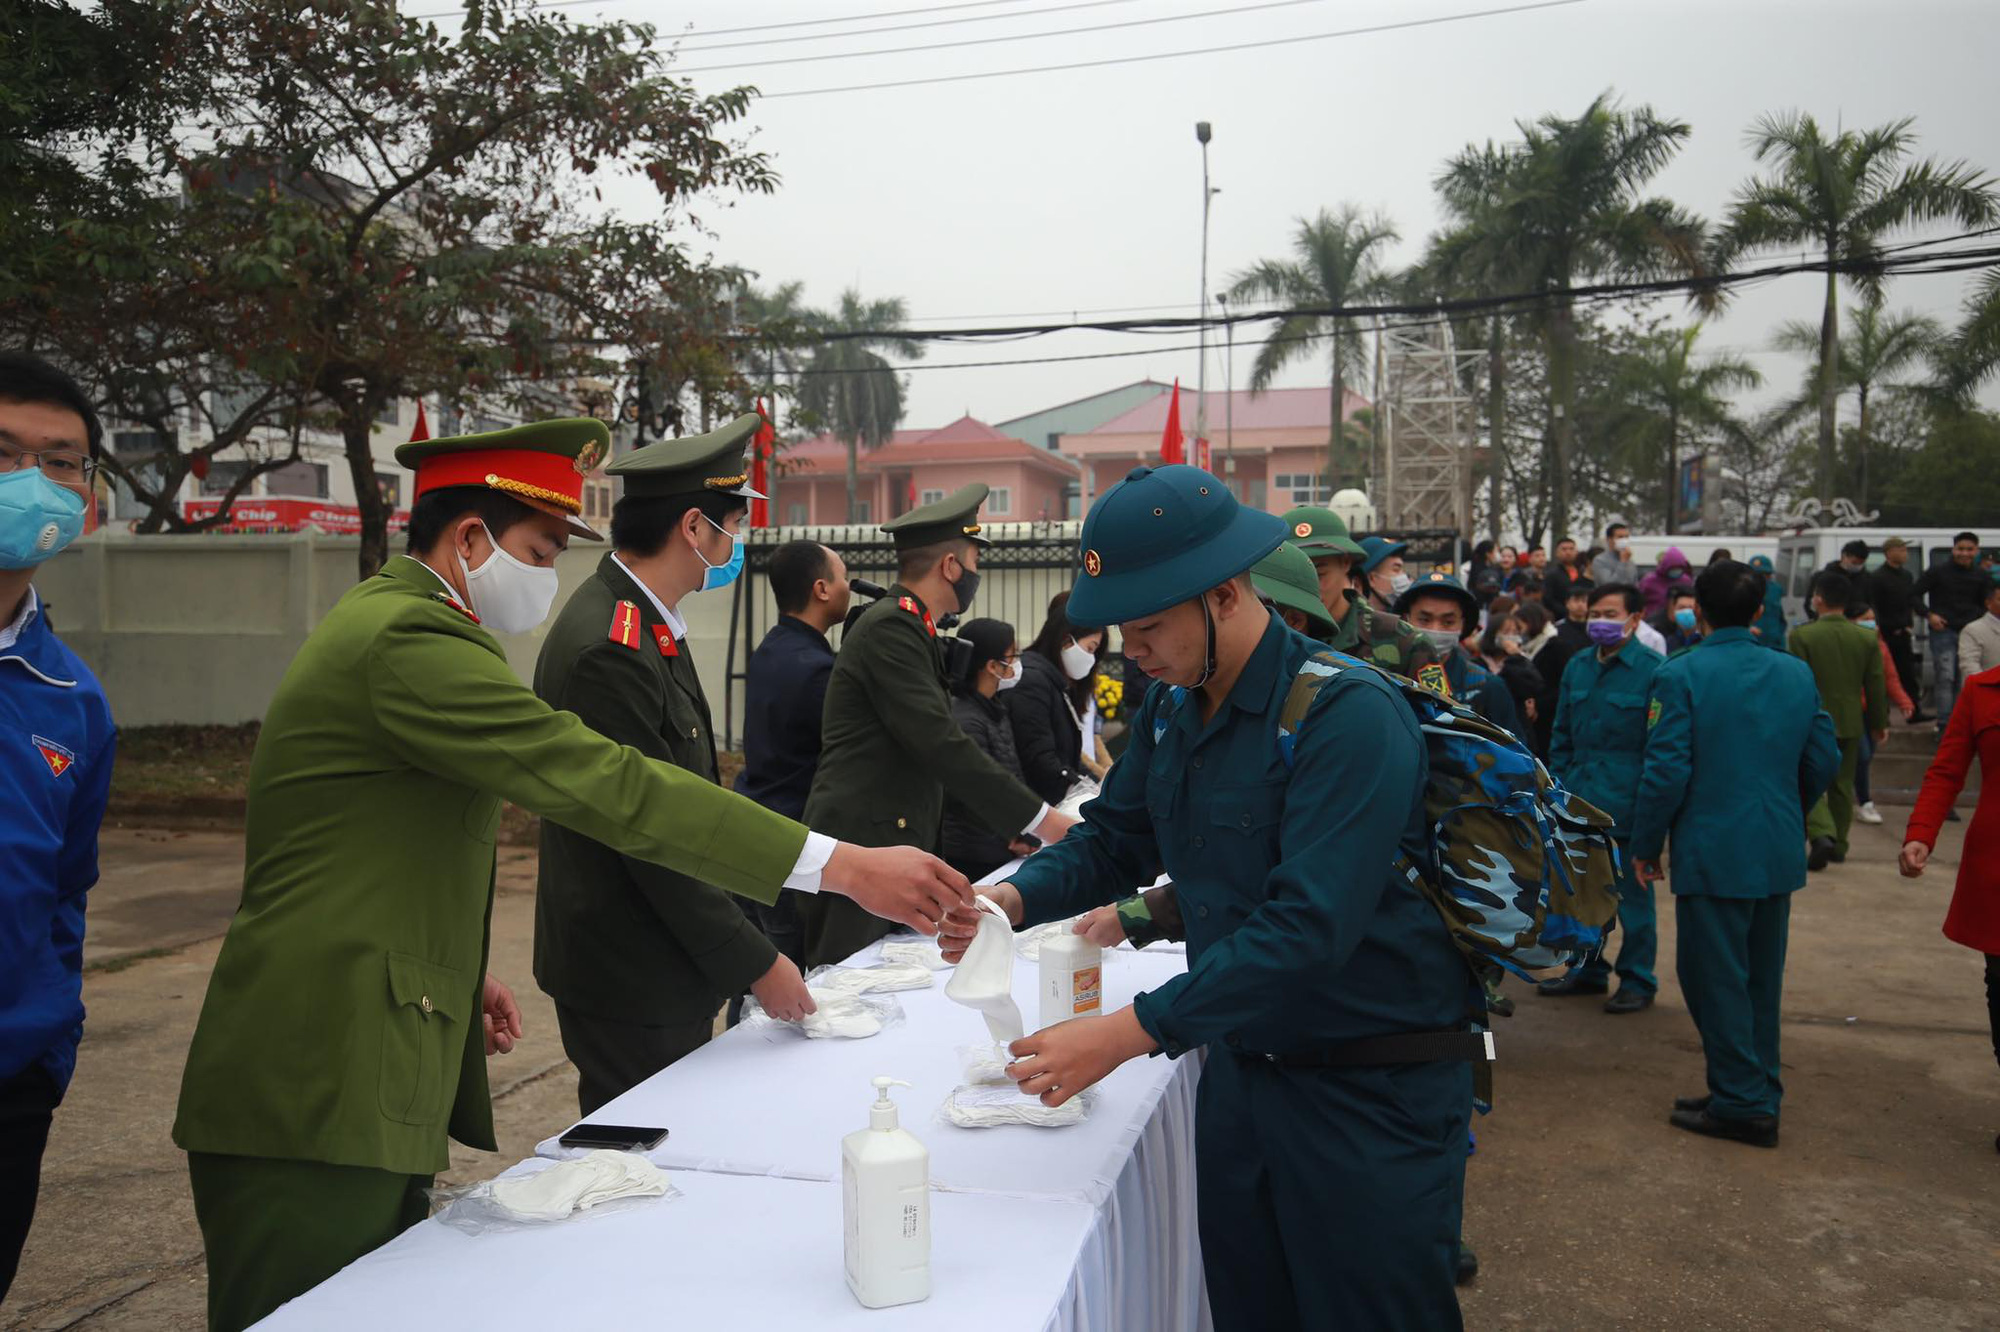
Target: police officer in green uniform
x: 638, y: 957
x: 1330, y: 1144
x: 344, y: 1037
x: 1360, y: 630
x: 1846, y: 661
x: 1737, y: 750
x: 890, y: 750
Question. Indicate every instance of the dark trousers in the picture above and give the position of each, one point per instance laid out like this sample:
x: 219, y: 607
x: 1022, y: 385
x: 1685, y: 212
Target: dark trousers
x: 1903, y: 654
x: 1833, y: 816
x: 27, y: 1106
x: 274, y: 1229
x: 1993, y: 1000
x: 1330, y: 1197
x: 1731, y: 958
x: 1639, y: 928
x: 612, y: 1057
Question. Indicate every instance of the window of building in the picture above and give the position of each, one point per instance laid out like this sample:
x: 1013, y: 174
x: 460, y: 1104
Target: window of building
x: 1073, y: 500
x: 929, y: 496
x: 1257, y: 495
x: 796, y: 515
x: 1300, y: 487
x: 221, y: 476
x: 999, y: 501
x: 863, y: 512
x: 391, y: 414
x: 142, y: 452
x: 304, y: 479
x: 1055, y: 438
x: 391, y: 487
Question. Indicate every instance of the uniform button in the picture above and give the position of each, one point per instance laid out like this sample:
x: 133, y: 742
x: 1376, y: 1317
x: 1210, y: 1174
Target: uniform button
x: 1246, y: 820
x: 1199, y: 843
x: 1270, y: 1059
x: 426, y: 1003
x: 1202, y: 911
x: 694, y: 732
x: 902, y: 823
x: 1196, y: 763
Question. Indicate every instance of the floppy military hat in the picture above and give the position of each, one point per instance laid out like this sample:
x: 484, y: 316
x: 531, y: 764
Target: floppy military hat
x: 1288, y: 578
x: 709, y: 464
x: 1320, y: 532
x: 956, y: 515
x: 542, y: 464
x: 1762, y: 563
x: 1162, y: 536
x: 1435, y: 584
x: 1377, y: 549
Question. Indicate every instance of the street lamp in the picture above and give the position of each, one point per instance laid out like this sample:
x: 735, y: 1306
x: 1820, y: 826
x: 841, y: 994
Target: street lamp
x: 1202, y: 135
x: 1228, y: 394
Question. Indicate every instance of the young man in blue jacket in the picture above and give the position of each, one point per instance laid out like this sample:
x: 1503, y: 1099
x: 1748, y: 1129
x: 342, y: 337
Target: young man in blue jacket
x: 56, y: 743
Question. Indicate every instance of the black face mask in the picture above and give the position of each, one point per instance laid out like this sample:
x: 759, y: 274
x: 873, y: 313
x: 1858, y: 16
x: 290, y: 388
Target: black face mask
x: 965, y: 587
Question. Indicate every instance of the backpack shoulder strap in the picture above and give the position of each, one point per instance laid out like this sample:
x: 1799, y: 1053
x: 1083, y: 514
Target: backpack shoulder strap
x: 1313, y: 675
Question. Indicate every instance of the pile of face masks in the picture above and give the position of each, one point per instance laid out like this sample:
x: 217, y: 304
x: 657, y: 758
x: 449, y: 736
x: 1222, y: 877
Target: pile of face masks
x: 993, y: 1107
x: 562, y: 1190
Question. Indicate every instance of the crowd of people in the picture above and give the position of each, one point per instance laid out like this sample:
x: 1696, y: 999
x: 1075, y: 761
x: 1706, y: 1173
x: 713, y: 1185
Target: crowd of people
x: 1268, y: 794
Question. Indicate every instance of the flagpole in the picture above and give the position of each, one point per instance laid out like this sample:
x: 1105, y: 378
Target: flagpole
x: 1202, y: 134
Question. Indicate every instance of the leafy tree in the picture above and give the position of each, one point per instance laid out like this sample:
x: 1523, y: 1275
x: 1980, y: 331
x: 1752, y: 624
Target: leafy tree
x: 1880, y: 346
x: 1336, y: 261
x: 1676, y: 389
x: 1842, y: 194
x: 851, y: 386
x: 1954, y: 478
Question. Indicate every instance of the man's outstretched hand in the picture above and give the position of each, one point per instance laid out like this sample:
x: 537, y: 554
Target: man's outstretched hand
x: 898, y: 883
x: 958, y: 929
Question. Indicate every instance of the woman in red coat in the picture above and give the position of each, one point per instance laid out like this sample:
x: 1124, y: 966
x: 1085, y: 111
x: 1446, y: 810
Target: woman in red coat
x: 1974, y: 917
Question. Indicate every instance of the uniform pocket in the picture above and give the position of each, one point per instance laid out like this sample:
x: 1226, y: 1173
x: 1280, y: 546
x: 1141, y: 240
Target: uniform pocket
x: 482, y: 817
x: 1251, y: 810
x: 423, y: 1039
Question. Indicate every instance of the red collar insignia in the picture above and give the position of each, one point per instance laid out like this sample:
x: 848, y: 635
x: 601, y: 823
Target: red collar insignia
x: 910, y: 604
x: 665, y: 638
x: 456, y: 605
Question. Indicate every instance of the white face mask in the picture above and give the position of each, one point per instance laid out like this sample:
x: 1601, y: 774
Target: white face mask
x: 1446, y: 639
x: 1399, y: 584
x: 1011, y: 678
x: 509, y: 597
x: 1078, y: 662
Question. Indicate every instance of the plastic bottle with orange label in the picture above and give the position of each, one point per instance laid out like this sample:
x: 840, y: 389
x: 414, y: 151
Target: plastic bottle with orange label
x: 1072, y: 978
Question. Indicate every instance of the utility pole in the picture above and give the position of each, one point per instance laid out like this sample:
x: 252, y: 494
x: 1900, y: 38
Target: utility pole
x: 1202, y: 136
x: 1228, y: 397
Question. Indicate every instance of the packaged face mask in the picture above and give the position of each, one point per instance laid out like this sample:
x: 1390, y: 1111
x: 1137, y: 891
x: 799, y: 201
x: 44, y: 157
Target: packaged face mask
x: 882, y: 979
x: 845, y: 1017
x: 994, y: 1107
x: 984, y: 979
x: 920, y: 952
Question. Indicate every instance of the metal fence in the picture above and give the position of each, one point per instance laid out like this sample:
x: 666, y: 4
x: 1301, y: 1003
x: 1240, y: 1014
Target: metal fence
x: 1026, y: 566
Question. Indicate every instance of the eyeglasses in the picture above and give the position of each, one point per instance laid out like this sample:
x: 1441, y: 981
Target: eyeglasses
x: 63, y: 466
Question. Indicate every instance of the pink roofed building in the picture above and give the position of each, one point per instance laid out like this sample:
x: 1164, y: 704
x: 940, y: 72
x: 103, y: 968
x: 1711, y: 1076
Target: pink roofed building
x: 1028, y: 484
x: 1279, y: 443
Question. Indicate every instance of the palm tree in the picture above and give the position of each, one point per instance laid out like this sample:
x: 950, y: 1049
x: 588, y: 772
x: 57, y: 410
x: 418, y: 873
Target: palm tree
x: 1841, y: 195
x: 1973, y: 353
x: 850, y: 384
x: 1564, y: 206
x: 781, y: 324
x: 1336, y: 262
x: 1881, y: 346
x: 1665, y: 379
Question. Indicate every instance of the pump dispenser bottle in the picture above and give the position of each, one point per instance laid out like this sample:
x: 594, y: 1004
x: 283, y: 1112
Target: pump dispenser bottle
x: 885, y: 1176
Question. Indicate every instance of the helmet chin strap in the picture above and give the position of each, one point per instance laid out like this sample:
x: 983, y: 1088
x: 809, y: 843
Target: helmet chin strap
x: 1208, y: 627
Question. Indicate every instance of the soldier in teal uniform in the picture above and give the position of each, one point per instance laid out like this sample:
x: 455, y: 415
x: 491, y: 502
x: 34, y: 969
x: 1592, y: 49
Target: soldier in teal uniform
x: 1439, y: 606
x: 1737, y: 751
x: 1769, y: 627
x: 1597, y: 749
x: 1330, y: 1145
x: 1359, y: 629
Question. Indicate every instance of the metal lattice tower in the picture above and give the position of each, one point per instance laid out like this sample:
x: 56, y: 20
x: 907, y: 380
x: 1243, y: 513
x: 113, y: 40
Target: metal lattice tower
x: 1427, y: 428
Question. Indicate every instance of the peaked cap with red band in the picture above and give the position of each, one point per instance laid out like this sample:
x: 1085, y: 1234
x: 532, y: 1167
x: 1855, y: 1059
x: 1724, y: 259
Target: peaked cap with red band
x: 542, y: 464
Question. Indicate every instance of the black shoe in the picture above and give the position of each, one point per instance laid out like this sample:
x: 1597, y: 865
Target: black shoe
x: 1694, y: 1103
x: 1919, y: 718
x: 1761, y: 1131
x: 1468, y: 1264
x: 1839, y: 856
x: 1820, y: 852
x: 1951, y: 816
x: 1628, y: 1000
x: 1574, y: 983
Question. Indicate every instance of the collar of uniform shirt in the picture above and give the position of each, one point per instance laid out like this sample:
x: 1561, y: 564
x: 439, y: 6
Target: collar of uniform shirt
x: 674, y: 622
x: 30, y: 606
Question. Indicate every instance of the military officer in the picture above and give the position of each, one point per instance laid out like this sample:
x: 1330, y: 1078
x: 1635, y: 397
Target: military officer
x: 348, y: 1017
x: 1360, y: 630
x: 1597, y: 749
x: 1853, y: 688
x: 1330, y: 1147
x: 889, y: 748
x: 637, y: 956
x: 1737, y: 750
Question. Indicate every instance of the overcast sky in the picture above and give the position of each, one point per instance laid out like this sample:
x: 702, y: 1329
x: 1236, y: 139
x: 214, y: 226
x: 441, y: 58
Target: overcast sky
x: 1014, y: 198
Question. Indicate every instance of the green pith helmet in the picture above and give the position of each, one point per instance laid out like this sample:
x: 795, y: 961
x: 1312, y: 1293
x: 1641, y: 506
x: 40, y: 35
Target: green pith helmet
x: 1321, y: 532
x: 1288, y: 578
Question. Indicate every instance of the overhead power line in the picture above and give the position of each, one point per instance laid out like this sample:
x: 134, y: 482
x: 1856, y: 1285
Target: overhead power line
x: 761, y: 27
x: 1179, y: 55
x: 909, y: 27
x: 1229, y: 12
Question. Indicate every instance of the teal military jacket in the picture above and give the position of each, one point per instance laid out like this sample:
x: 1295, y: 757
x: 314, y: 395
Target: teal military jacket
x: 1737, y: 750
x: 617, y: 935
x: 889, y: 753
x: 1301, y: 933
x: 1598, y: 746
x: 1847, y: 661
x: 342, y: 1022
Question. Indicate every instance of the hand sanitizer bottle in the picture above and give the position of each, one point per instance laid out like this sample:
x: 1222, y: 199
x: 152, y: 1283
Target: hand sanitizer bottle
x: 1072, y: 978
x: 885, y: 1176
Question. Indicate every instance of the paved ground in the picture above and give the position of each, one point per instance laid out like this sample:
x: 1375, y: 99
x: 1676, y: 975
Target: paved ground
x: 1881, y: 1209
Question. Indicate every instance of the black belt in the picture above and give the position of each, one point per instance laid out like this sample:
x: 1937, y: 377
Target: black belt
x: 1416, y: 1047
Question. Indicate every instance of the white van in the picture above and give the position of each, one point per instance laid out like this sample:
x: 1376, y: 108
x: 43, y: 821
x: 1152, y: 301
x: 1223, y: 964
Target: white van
x: 1648, y: 547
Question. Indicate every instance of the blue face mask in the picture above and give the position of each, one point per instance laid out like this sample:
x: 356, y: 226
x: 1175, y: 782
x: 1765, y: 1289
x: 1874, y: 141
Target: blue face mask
x: 721, y: 575
x: 1685, y: 619
x: 37, y: 518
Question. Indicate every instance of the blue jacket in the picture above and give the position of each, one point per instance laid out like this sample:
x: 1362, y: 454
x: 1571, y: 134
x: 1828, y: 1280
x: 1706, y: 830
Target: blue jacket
x: 784, y: 693
x: 1598, y: 746
x: 1771, y: 623
x: 56, y: 742
x: 1737, y: 749
x: 1300, y: 932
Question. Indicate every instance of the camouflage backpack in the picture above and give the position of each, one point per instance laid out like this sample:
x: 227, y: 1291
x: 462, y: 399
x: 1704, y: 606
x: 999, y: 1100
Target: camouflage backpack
x: 1522, y: 871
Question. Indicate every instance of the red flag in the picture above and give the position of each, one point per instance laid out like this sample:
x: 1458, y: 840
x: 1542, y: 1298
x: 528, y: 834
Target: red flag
x: 760, y: 469
x: 422, y: 430
x: 910, y: 497
x: 1170, y: 440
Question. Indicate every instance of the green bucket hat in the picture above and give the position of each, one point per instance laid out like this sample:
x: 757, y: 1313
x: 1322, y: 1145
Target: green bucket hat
x: 1162, y: 536
x: 1321, y: 532
x: 1288, y: 578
